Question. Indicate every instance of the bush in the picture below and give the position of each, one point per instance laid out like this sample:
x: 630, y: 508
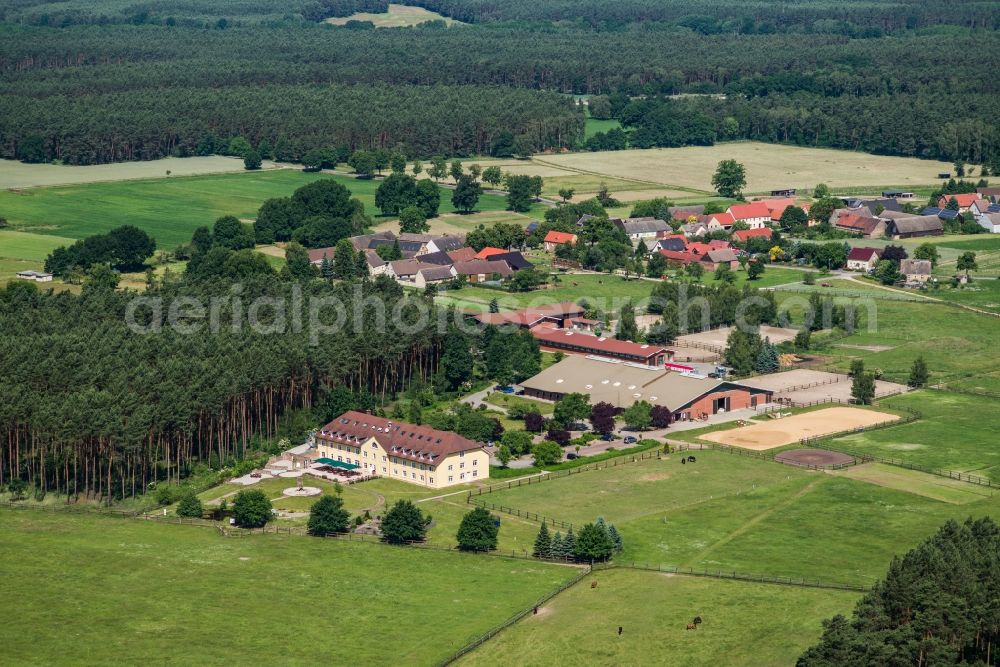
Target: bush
x: 251, y: 509
x: 327, y: 516
x: 189, y: 505
x: 478, y: 531
x: 546, y: 453
x: 166, y: 494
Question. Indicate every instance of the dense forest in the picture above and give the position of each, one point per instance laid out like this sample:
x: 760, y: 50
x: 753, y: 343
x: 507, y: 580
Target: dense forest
x: 94, y: 93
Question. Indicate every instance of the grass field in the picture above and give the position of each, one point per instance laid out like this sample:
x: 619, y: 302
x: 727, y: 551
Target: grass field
x: 743, y: 623
x: 398, y: 16
x: 96, y: 590
x: 604, y: 291
x: 733, y: 513
x: 957, y: 432
x: 170, y: 209
x: 594, y: 126
x: 930, y: 486
x: 768, y: 166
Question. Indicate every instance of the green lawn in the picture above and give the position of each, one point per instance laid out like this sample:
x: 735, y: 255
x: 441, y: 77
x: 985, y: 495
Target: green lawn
x: 604, y: 291
x: 508, y: 401
x: 91, y: 590
x: 743, y: 623
x: 733, y: 513
x: 957, y: 432
x: 593, y: 126
x: 980, y: 293
x: 170, y: 209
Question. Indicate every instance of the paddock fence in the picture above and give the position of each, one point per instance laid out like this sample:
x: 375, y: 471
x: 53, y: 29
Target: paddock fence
x: 801, y: 582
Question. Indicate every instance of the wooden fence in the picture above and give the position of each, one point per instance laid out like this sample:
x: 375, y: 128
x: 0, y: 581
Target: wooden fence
x: 729, y: 574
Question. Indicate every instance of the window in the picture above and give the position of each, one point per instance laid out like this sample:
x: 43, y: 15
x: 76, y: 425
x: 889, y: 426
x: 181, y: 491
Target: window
x: 462, y: 476
x: 383, y: 468
x: 450, y: 467
x: 462, y: 464
x: 475, y: 473
x: 475, y: 461
x: 461, y: 453
x: 450, y: 478
x: 432, y: 480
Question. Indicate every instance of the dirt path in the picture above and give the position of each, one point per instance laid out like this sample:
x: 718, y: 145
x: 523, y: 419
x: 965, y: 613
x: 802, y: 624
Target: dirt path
x: 754, y: 521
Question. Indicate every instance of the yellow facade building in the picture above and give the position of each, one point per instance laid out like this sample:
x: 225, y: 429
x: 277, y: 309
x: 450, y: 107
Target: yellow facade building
x: 397, y: 450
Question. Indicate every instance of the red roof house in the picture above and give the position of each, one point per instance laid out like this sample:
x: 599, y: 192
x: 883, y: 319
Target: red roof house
x: 964, y: 201
x: 755, y: 214
x: 555, y: 239
x: 489, y: 251
x: 744, y: 235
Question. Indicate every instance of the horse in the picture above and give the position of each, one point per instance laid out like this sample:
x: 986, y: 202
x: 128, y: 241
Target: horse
x: 593, y: 584
x: 692, y: 626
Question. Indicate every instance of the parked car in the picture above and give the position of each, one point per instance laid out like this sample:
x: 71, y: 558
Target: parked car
x: 572, y: 456
x: 631, y: 440
x: 577, y: 426
x: 608, y: 437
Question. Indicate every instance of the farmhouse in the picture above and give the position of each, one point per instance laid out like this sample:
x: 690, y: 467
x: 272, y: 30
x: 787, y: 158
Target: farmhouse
x: 480, y: 270
x: 866, y: 227
x: 407, y: 269
x: 579, y: 343
x: 416, y: 454
x: 376, y: 265
x: 693, y: 229
x: 675, y: 242
x: 687, y: 395
x: 445, y: 243
x: 983, y: 206
x: 755, y: 215
x: 917, y: 226
x: 717, y: 222
x: 862, y: 259
x: 916, y: 270
x: 777, y: 206
x: 641, y: 228
x: 488, y: 252
x: 435, y: 276
x: 316, y: 255
x: 37, y: 276
x: 555, y: 239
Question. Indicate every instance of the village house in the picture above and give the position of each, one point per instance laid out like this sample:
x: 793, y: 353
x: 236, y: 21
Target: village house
x: 416, y: 454
x: 744, y: 235
x: 866, y: 227
x: 915, y: 270
x: 717, y: 222
x: 641, y: 228
x: 983, y: 206
x: 688, y: 396
x: 555, y: 239
x: 755, y: 214
x: 376, y: 265
x: 407, y: 269
x: 964, y: 200
x: 489, y: 251
x: 993, y: 194
x: 777, y: 206
x: 863, y: 259
x: 316, y: 255
x: 694, y: 229
x: 917, y: 226
x: 676, y: 242
x: 445, y: 243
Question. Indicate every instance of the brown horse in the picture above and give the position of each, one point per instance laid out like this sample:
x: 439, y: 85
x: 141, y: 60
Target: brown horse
x: 692, y: 626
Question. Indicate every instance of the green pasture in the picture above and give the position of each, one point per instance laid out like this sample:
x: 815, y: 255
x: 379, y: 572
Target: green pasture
x: 84, y: 590
x: 742, y: 623
x: 170, y: 209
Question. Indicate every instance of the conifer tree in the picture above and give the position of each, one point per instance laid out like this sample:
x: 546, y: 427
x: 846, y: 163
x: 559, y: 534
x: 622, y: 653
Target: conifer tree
x: 919, y: 373
x: 558, y: 547
x: 615, y: 536
x: 543, y: 543
x: 569, y: 544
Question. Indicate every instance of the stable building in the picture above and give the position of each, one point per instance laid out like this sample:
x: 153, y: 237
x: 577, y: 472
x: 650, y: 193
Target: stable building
x: 917, y: 226
x: 687, y: 395
x: 416, y: 454
x: 37, y: 276
x: 580, y: 343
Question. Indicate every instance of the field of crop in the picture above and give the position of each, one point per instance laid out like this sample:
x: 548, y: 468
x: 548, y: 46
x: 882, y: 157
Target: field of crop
x: 398, y: 16
x: 170, y: 209
x: 768, y: 166
x: 15, y: 175
x: 743, y: 623
x: 734, y: 513
x: 96, y: 590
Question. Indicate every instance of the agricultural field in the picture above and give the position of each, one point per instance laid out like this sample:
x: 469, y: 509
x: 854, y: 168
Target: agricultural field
x: 734, y: 513
x: 170, y: 209
x: 604, y: 291
x: 15, y: 175
x: 85, y: 589
x: 459, y: 223
x: 768, y: 166
x: 956, y: 432
x: 398, y: 16
x: 743, y: 623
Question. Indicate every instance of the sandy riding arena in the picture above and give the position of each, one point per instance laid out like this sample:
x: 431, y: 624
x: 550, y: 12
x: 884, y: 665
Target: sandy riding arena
x: 788, y: 430
x: 814, y: 458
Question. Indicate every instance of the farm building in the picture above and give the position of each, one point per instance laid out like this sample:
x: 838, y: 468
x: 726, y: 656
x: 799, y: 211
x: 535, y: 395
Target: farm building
x: 990, y: 222
x: 964, y: 200
x: 435, y: 276
x: 992, y: 194
x: 687, y: 395
x: 488, y: 252
x: 579, y: 343
x: 865, y: 226
x: 480, y: 270
x: 983, y: 206
x: 685, y: 212
x: 415, y: 454
x: 917, y: 226
x: 37, y: 276
x: 693, y: 229
x: 445, y: 243
x: 555, y: 239
x: 556, y: 314
x: 675, y: 242
x: 862, y: 259
x: 787, y: 192
x: 755, y: 214
x: 744, y: 235
x: 641, y: 228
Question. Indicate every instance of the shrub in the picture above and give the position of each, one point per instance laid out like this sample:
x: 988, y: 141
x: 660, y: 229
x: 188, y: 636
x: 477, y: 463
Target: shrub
x: 251, y: 509
x: 189, y: 505
x: 546, y: 453
x: 404, y: 522
x: 478, y: 531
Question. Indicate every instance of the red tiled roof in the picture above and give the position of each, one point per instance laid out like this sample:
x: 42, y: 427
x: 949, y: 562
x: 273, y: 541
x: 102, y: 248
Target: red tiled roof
x: 560, y: 237
x: 594, y: 345
x: 407, y: 441
x: 857, y: 223
x: 677, y: 256
x: 743, y: 235
x: 724, y: 219
x: 862, y: 254
x: 317, y: 254
x: 488, y: 252
x: 746, y: 211
x: 964, y: 200
x: 529, y: 316
x: 462, y: 255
